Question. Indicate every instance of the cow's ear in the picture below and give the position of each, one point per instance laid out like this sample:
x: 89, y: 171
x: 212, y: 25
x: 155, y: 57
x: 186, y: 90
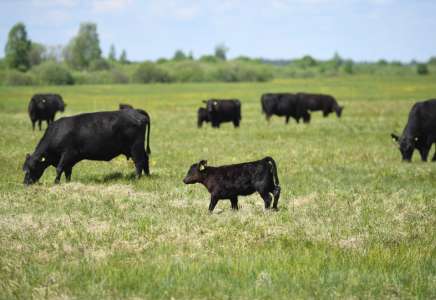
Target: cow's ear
x: 27, y: 156
x: 394, y: 137
x: 204, y: 101
x: 202, y: 164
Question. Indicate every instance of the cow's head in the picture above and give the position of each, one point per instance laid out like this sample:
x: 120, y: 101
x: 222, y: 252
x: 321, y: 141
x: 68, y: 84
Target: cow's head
x: 211, y: 105
x: 195, y: 173
x: 339, y: 111
x: 406, y: 144
x: 33, y: 168
x: 39, y: 102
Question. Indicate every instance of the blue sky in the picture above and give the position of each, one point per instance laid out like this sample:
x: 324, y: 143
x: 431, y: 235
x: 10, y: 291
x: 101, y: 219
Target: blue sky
x: 277, y: 29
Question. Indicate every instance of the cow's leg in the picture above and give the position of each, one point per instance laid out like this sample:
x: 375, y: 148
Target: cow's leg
x: 266, y: 198
x: 234, y: 202
x: 325, y: 113
x: 434, y: 157
x: 267, y: 117
x: 140, y: 160
x: 276, y: 194
x: 298, y: 120
x: 65, y: 165
x: 33, y: 125
x: 68, y: 172
x: 424, y: 153
x: 287, y: 119
x: 39, y: 123
x: 213, y: 201
x: 236, y: 123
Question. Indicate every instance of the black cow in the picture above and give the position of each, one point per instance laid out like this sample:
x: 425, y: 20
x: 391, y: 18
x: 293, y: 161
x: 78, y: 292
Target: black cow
x: 284, y: 104
x: 44, y: 107
x: 93, y: 136
x: 229, y: 182
x: 203, y: 116
x: 420, y: 131
x: 326, y: 103
x: 223, y: 111
x: 125, y: 106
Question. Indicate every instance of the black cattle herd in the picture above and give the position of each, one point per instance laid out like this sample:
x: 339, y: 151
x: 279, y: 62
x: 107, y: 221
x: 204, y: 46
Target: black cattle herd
x: 105, y: 135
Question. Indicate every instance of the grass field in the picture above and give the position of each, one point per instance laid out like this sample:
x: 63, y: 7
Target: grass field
x: 353, y: 220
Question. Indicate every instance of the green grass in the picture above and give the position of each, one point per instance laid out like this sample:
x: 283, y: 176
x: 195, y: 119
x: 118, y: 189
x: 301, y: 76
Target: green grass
x: 353, y: 220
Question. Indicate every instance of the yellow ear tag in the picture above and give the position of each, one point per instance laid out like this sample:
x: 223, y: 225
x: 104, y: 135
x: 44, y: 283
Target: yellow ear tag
x: 201, y: 167
x: 416, y: 139
x: 393, y: 139
x: 215, y: 103
x: 43, y: 159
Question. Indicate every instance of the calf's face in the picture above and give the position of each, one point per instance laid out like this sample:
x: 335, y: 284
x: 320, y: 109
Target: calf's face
x: 33, y: 168
x: 195, y: 173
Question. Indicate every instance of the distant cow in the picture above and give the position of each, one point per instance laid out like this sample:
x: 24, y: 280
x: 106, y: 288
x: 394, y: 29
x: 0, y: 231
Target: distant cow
x: 326, y: 103
x: 203, y: 116
x: 284, y: 104
x: 125, y: 106
x: 420, y: 131
x: 223, y: 111
x: 93, y: 136
x: 229, y: 182
x: 44, y: 107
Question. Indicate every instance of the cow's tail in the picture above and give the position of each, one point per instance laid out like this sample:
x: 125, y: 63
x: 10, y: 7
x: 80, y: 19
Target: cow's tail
x: 143, y: 112
x: 261, y: 102
x: 274, y: 168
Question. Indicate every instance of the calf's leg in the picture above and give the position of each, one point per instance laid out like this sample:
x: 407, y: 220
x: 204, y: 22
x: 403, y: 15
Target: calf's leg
x: 266, y: 198
x: 213, y: 201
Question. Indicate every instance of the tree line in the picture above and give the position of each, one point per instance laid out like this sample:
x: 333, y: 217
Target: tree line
x: 81, y: 62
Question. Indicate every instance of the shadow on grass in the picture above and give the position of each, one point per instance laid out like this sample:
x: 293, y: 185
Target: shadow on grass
x: 118, y: 176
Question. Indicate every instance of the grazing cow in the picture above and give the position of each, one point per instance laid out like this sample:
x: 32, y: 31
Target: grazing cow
x: 203, y: 116
x: 229, y: 182
x: 44, y: 107
x: 326, y: 103
x: 284, y: 104
x: 125, y: 106
x: 93, y: 136
x: 420, y: 131
x: 223, y: 111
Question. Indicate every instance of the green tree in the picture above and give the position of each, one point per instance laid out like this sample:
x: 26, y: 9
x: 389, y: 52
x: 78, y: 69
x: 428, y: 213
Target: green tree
x: 85, y: 47
x: 422, y: 69
x: 17, y: 48
x: 112, y: 54
x: 432, y: 60
x: 221, y: 51
x: 348, y: 67
x: 382, y: 63
x: 179, y: 55
x: 123, y: 57
x: 37, y: 54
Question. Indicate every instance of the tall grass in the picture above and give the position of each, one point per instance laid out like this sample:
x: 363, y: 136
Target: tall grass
x: 353, y: 221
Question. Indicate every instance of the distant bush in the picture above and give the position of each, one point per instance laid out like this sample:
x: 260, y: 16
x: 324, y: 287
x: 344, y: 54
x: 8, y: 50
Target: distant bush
x: 210, y: 58
x: 117, y: 76
x: 99, y: 64
x: 190, y: 72
x: 305, y: 62
x: 161, y: 60
x: 396, y: 63
x: 52, y: 73
x: 147, y: 72
x: 97, y: 77
x: 2, y: 77
x: 348, y: 67
x: 432, y: 61
x: 14, y: 77
x: 422, y: 69
x: 382, y: 63
x: 223, y: 73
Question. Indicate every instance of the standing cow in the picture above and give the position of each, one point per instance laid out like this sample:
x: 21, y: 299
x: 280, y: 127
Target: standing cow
x: 44, y: 107
x: 203, y: 116
x: 284, y: 104
x: 326, y: 103
x: 420, y: 131
x: 229, y: 182
x: 93, y: 136
x: 223, y: 111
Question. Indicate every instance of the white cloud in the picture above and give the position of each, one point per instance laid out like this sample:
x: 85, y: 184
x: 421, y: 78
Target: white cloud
x: 110, y: 5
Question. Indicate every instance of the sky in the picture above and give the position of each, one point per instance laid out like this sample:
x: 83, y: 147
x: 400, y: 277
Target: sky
x: 361, y: 30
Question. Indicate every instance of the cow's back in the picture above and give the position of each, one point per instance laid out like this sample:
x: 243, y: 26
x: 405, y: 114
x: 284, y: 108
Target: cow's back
x: 422, y: 118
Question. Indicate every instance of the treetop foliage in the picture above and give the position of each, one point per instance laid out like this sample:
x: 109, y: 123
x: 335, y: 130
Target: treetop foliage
x: 17, y: 48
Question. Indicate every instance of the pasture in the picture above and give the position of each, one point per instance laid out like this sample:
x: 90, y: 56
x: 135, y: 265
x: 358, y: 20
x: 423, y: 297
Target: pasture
x: 353, y: 220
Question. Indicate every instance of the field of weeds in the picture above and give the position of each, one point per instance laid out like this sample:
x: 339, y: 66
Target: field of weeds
x: 353, y: 220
